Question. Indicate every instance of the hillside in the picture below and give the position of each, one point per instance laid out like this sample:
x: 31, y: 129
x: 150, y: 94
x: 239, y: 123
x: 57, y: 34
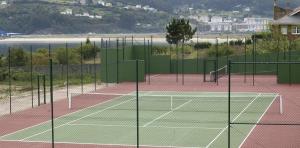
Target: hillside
x: 45, y: 16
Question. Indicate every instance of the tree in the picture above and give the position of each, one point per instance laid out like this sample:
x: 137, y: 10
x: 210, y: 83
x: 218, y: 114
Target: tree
x: 18, y: 57
x: 179, y: 30
x: 61, y: 56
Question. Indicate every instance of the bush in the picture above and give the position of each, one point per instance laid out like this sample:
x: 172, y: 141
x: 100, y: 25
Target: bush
x: 61, y: 57
x: 89, y: 51
x: 203, y: 45
x: 18, y: 57
x: 223, y: 50
x: 248, y: 41
x: 159, y: 50
x: 236, y: 42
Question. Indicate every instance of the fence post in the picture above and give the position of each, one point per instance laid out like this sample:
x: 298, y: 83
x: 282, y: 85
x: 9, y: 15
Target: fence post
x: 137, y: 103
x: 51, y: 99
x: 177, y: 64
x: 44, y: 87
x: 39, y: 90
x: 149, y: 63
x: 182, y: 62
x: 217, y: 61
x: 67, y: 61
x: 117, y: 60
x: 229, y: 99
x: 145, y: 57
x: 9, y: 80
x: 95, y: 71
x: 81, y: 71
x: 31, y: 76
x: 245, y: 65
x: 106, y: 68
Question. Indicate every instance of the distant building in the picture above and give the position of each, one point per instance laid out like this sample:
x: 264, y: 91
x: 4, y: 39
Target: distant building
x: 286, y: 21
x: 3, y: 3
x: 67, y: 12
x: 3, y: 33
x: 216, y: 19
x: 83, y: 2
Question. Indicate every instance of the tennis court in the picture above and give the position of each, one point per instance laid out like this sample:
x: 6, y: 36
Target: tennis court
x: 166, y: 119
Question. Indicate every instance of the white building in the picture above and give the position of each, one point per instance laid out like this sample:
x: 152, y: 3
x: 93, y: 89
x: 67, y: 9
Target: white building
x: 3, y: 3
x: 216, y: 19
x: 67, y: 12
x: 257, y: 24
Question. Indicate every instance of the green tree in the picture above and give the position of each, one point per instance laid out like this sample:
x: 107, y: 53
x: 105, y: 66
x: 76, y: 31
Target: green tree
x: 61, y: 56
x: 40, y: 57
x: 89, y: 51
x: 18, y: 57
x: 179, y: 30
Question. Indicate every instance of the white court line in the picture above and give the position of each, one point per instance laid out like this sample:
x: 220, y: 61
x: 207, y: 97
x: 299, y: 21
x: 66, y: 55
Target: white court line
x: 78, y: 119
x: 130, y: 126
x: 103, y: 144
x: 113, y: 99
x: 233, y: 120
x: 258, y: 120
x: 155, y: 75
x: 82, y: 117
x: 167, y: 113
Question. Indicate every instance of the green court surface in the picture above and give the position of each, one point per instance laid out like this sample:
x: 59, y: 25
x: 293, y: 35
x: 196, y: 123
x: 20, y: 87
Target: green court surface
x: 166, y: 119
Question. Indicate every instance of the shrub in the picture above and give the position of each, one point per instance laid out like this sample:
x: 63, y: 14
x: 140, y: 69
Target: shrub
x: 203, y: 45
x: 223, y: 50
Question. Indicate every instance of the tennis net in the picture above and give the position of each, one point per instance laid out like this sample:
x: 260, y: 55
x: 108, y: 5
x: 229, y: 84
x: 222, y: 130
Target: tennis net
x: 221, y: 72
x: 214, y: 102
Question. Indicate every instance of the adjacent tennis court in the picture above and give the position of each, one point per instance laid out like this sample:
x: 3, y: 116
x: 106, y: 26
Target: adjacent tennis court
x: 166, y: 119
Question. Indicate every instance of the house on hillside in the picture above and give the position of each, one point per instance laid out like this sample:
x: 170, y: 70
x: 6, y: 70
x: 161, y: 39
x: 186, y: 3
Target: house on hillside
x: 286, y: 21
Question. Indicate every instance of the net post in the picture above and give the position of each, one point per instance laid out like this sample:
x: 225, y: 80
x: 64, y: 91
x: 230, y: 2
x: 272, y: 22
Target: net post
x: 281, y: 104
x: 70, y: 101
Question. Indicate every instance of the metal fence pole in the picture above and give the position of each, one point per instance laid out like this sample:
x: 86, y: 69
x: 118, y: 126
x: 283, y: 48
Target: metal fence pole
x: 39, y: 90
x: 31, y: 75
x: 51, y: 99
x: 106, y: 68
x: 123, y: 49
x: 229, y: 99
x: 67, y: 61
x: 9, y: 80
x: 177, y: 64
x: 217, y: 61
x: 81, y: 67
x: 290, y: 66
x: 95, y: 71
x: 149, y: 63
x: 245, y: 65
x: 253, y: 59
x: 137, y: 104
x: 44, y: 87
x: 117, y: 60
x: 182, y: 62
x: 145, y: 56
